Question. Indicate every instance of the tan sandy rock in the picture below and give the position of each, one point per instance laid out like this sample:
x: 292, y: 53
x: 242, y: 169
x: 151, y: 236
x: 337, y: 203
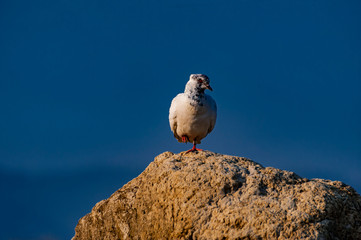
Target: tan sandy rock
x: 205, y: 195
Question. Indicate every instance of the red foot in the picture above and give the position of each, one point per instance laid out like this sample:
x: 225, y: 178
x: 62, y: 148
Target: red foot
x: 194, y: 149
x: 184, y: 139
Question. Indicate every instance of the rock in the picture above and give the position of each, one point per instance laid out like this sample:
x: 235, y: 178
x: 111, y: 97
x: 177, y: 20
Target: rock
x: 206, y: 195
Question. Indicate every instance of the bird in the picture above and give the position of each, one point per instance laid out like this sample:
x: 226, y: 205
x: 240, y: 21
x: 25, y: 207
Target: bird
x: 193, y: 114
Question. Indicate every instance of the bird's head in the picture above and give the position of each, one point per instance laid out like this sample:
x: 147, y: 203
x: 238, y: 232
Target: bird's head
x: 201, y: 81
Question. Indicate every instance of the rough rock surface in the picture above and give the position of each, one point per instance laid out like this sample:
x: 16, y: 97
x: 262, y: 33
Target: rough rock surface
x: 206, y: 195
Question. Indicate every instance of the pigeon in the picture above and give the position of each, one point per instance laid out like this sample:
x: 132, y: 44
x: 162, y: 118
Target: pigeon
x: 192, y: 114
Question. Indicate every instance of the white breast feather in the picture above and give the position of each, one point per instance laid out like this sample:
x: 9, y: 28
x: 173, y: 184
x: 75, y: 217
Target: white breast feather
x: 195, y: 122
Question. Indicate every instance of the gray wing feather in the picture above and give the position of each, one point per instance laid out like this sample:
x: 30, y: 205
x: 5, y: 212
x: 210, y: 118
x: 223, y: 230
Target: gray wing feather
x: 173, y: 117
x: 213, y: 117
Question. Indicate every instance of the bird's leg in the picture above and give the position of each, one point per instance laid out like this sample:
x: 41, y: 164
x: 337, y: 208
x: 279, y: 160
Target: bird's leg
x: 194, y: 148
x: 185, y: 139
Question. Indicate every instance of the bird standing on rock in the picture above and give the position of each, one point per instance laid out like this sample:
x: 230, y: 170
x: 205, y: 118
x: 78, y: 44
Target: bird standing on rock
x: 192, y: 114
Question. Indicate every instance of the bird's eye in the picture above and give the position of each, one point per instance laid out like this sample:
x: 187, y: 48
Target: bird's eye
x: 200, y: 80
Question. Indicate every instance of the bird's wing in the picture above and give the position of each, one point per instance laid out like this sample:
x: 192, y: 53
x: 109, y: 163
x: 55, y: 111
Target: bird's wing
x: 173, y: 115
x: 213, y: 112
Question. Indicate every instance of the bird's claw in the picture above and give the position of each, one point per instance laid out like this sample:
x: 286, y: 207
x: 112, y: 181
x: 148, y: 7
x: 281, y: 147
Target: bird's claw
x: 194, y: 149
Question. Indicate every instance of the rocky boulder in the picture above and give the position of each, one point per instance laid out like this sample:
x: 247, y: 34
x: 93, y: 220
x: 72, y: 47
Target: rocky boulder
x: 205, y: 195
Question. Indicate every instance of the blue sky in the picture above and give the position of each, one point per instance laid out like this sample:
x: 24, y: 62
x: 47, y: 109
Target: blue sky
x: 86, y: 85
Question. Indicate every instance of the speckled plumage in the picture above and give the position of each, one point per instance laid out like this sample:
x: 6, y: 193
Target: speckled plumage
x: 193, y: 113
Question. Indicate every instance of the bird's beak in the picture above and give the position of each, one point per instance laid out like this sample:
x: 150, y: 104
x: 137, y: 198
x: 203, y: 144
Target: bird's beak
x: 209, y: 87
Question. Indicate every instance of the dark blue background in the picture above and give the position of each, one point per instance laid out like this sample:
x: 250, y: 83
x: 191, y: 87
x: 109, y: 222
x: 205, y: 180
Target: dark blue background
x: 85, y: 88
